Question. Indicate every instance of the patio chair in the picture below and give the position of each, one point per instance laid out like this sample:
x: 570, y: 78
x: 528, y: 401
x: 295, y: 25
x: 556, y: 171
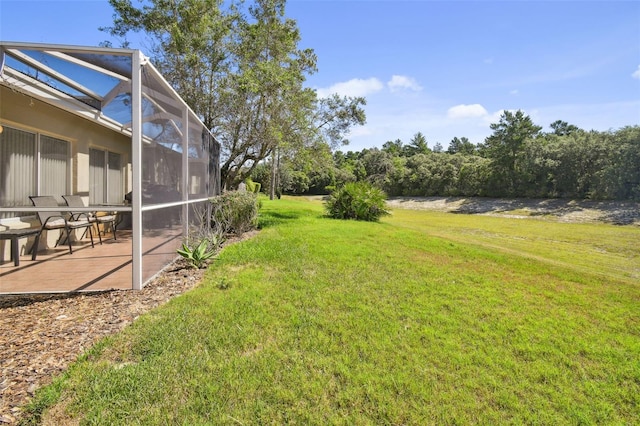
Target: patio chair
x: 51, y: 220
x: 93, y: 217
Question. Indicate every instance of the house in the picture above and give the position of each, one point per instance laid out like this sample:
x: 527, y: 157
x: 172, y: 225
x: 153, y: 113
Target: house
x: 101, y: 123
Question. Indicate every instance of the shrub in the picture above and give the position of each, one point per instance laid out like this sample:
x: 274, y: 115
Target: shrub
x: 252, y: 186
x: 234, y: 212
x: 357, y: 200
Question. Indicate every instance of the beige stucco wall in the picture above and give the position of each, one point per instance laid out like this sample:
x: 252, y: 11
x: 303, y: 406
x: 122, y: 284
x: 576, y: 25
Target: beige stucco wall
x: 25, y: 113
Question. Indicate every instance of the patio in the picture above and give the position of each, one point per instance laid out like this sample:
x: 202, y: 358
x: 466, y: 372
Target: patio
x: 104, y: 267
x: 103, y: 125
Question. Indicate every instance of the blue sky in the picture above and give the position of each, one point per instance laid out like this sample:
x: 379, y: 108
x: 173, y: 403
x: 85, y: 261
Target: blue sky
x: 443, y: 68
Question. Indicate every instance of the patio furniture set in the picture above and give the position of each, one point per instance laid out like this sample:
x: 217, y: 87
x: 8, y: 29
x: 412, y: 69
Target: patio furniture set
x: 58, y: 220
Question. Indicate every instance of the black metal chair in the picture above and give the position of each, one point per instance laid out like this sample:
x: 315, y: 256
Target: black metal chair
x: 93, y: 217
x: 51, y: 220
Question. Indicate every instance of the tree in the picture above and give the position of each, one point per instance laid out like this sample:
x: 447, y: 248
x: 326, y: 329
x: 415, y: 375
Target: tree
x: 623, y: 169
x: 462, y: 146
x: 266, y: 103
x: 335, y: 115
x: 190, y: 43
x: 617, y: 173
x: 504, y: 146
x: 315, y: 162
x: 394, y: 148
x: 349, y: 168
x: 242, y: 74
x: 562, y: 128
x: 418, y: 145
x: 330, y: 124
x: 378, y: 166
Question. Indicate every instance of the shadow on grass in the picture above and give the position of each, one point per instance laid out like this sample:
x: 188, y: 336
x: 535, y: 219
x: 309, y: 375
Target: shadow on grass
x: 271, y: 218
x: 535, y: 206
x: 615, y: 212
x: 621, y: 217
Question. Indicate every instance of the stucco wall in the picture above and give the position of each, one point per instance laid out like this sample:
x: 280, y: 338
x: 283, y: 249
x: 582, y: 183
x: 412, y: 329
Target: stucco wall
x: 25, y: 113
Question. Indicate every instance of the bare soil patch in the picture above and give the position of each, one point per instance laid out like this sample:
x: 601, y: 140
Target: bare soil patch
x: 616, y: 212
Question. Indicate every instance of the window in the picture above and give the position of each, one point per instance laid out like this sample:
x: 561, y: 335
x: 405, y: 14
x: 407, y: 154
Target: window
x: 105, y: 177
x: 31, y: 164
x: 54, y: 154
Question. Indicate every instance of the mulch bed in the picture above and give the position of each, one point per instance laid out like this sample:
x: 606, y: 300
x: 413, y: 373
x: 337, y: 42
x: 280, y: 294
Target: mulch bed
x: 40, y: 335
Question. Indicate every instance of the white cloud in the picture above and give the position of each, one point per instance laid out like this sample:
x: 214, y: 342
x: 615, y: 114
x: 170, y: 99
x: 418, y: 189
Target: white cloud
x: 353, y: 87
x: 636, y: 73
x: 467, y: 111
x: 399, y: 82
x: 514, y: 92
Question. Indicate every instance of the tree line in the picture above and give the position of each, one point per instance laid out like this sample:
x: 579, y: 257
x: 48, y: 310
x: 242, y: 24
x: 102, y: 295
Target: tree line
x: 517, y: 160
x: 239, y: 66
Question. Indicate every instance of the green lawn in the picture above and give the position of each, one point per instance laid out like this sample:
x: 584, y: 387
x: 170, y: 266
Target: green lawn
x: 423, y: 318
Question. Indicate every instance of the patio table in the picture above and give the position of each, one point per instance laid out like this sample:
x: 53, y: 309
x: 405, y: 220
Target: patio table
x: 14, y: 235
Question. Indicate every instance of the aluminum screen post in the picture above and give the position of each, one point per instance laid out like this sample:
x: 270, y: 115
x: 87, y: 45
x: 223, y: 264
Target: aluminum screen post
x: 185, y: 172
x: 136, y: 160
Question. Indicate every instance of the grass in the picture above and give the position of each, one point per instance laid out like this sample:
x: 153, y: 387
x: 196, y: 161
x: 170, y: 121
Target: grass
x: 424, y: 318
x: 608, y: 251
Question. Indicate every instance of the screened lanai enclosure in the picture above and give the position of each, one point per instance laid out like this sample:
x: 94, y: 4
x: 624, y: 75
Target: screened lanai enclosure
x: 102, y: 124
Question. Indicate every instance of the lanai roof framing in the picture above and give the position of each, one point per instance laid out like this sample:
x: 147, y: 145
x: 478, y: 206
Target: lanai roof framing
x: 121, y: 90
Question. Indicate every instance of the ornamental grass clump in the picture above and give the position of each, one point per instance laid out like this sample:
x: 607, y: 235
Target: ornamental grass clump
x: 357, y: 200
